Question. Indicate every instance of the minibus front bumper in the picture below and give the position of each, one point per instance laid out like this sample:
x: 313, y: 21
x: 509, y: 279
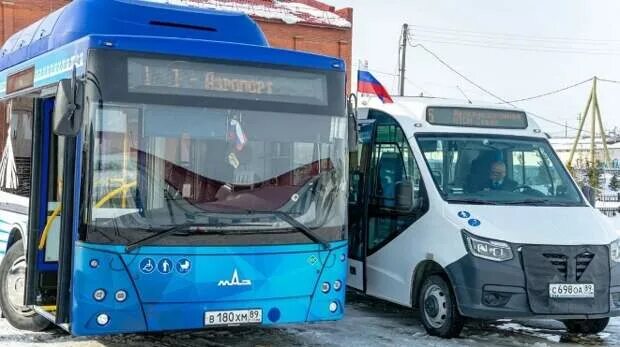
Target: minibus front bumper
x: 487, y: 289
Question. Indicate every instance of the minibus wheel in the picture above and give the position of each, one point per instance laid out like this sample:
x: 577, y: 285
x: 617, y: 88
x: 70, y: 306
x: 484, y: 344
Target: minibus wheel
x: 12, y: 282
x: 586, y: 326
x: 437, y: 306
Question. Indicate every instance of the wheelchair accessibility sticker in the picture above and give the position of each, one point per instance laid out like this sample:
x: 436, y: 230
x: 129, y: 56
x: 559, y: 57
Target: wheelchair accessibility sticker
x: 464, y: 214
x: 147, y: 265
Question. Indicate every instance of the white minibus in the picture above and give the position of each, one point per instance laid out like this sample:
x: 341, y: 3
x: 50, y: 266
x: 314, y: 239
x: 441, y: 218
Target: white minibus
x: 465, y: 211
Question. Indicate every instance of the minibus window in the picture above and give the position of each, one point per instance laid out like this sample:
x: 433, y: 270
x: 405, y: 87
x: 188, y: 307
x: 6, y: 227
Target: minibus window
x: 483, y: 169
x: 397, y: 193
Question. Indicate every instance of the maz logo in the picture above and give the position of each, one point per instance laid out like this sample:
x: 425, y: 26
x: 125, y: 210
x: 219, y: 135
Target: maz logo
x: 234, y: 281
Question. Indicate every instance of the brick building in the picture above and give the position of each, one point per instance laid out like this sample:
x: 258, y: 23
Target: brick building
x: 307, y: 25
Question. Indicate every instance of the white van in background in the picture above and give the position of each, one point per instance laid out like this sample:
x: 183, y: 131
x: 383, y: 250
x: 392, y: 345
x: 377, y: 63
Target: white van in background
x: 466, y: 211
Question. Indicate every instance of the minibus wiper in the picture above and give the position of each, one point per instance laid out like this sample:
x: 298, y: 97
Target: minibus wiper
x: 537, y: 202
x: 295, y: 224
x: 473, y: 201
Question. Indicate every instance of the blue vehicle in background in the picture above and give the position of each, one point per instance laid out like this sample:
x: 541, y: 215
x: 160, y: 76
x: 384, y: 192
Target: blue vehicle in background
x: 167, y: 170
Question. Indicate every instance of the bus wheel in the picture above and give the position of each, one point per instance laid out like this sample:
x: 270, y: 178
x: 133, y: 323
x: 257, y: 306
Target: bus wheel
x: 586, y: 326
x: 437, y: 307
x: 12, y: 281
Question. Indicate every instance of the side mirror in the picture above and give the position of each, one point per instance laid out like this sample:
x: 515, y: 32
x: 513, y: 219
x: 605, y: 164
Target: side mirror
x: 355, y: 187
x: 590, y: 194
x: 352, y: 122
x: 67, y: 111
x: 404, y: 196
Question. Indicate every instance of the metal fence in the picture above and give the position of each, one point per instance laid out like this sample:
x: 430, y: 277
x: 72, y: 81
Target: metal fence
x: 609, y: 211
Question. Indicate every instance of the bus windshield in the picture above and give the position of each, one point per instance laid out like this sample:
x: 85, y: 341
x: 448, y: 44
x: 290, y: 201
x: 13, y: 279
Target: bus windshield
x: 158, y: 166
x: 497, y: 170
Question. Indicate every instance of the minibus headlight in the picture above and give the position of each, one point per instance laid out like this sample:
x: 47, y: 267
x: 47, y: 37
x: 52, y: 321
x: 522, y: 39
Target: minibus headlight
x: 614, y: 251
x: 487, y: 249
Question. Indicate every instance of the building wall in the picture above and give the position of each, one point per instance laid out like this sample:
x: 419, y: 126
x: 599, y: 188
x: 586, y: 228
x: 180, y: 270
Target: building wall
x: 17, y: 14
x: 323, y: 40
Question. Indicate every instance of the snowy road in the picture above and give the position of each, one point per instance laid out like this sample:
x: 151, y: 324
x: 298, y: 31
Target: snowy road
x: 368, y: 323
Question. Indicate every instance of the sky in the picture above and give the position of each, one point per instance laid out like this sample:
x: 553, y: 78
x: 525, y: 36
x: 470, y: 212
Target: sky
x: 515, y: 49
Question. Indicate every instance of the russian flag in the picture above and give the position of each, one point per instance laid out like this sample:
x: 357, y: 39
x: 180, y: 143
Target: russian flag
x: 368, y: 84
x: 237, y: 135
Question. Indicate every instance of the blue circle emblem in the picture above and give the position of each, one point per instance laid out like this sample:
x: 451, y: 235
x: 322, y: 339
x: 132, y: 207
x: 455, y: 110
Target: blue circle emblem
x: 164, y: 266
x: 183, y: 266
x: 464, y: 214
x: 473, y: 222
x: 147, y: 265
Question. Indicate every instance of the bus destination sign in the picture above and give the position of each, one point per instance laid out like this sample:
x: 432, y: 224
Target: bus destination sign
x: 159, y: 76
x: 476, y: 117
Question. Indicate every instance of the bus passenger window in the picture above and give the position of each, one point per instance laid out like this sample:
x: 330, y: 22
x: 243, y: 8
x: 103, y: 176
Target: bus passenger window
x: 16, y: 141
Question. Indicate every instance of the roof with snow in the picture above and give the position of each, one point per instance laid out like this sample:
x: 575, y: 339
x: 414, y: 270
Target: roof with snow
x: 289, y: 11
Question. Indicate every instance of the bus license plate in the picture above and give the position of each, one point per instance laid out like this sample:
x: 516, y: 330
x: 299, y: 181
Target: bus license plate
x: 233, y: 317
x: 565, y: 290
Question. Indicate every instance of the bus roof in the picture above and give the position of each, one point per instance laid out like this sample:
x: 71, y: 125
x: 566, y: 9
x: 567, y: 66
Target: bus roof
x: 414, y: 110
x: 129, y: 18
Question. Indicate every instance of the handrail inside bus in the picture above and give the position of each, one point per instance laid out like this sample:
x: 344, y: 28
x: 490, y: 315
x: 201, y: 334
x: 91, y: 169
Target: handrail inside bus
x: 123, y: 189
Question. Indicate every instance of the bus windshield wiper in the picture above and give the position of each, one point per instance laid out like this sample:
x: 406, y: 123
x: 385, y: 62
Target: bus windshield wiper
x: 160, y: 234
x: 295, y: 224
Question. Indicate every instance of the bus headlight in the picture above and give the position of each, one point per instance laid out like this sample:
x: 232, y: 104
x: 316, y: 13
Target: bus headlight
x: 487, y: 249
x: 614, y: 251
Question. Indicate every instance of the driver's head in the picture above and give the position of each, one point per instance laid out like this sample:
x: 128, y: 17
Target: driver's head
x: 498, y: 171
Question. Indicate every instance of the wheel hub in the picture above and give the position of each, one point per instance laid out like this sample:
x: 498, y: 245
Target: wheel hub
x: 15, y: 283
x: 435, y: 306
x: 430, y: 305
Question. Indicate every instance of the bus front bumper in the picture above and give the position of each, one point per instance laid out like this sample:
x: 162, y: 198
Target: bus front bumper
x: 486, y: 289
x: 188, y: 288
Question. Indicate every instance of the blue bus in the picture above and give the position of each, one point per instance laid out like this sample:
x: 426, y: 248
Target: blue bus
x: 165, y: 169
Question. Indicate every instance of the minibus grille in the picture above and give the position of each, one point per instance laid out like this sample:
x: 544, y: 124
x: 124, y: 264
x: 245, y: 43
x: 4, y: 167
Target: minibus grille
x: 559, y: 261
x: 546, y: 264
x: 583, y: 261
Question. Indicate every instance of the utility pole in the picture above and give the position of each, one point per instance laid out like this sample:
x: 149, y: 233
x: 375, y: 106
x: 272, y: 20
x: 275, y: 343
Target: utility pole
x: 403, y: 59
x: 592, y: 106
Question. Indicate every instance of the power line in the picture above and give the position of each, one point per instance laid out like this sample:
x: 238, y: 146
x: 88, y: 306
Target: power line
x: 554, y: 91
x: 444, y: 63
x: 510, y: 35
x: 508, y: 46
x: 608, y: 80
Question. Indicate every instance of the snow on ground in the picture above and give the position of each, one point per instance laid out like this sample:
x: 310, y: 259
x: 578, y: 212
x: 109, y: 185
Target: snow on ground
x: 368, y: 322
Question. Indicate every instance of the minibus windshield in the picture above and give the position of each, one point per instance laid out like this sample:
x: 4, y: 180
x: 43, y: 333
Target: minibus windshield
x: 497, y: 170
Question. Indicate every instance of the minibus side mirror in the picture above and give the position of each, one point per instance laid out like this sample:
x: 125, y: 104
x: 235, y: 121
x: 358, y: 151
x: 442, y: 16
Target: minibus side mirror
x: 67, y: 110
x: 355, y: 187
x: 590, y: 194
x: 404, y: 196
x: 352, y: 122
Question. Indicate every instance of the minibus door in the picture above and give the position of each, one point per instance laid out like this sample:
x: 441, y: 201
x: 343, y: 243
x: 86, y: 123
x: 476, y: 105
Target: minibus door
x: 359, y: 162
x: 51, y: 218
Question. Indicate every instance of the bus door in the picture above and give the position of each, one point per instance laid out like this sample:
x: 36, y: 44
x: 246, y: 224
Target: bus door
x: 359, y: 160
x: 392, y: 198
x: 52, y: 217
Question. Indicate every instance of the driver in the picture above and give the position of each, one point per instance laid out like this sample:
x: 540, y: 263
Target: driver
x: 497, y: 178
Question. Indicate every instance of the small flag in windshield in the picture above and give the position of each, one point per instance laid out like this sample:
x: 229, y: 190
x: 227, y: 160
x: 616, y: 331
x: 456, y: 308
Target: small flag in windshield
x: 237, y: 134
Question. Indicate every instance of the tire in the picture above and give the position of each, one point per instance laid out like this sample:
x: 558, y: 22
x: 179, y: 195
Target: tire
x: 438, y: 309
x: 12, y: 281
x: 586, y: 326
